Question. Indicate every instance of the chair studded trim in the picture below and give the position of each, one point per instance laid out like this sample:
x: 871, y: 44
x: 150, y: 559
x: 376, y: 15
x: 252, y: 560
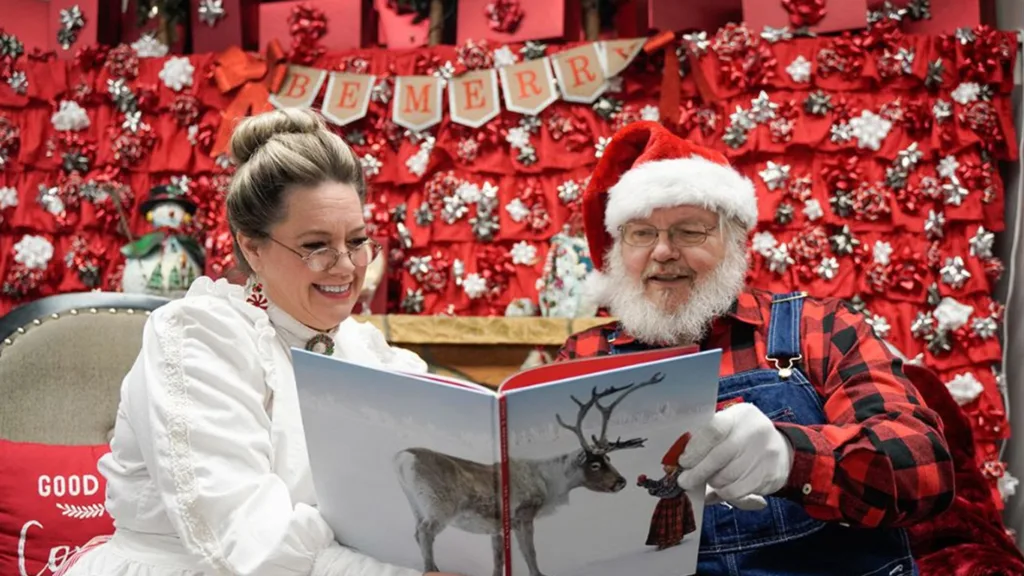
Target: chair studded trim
x: 21, y: 330
x: 28, y: 316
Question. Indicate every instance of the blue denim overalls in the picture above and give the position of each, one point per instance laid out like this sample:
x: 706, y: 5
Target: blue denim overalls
x: 782, y: 539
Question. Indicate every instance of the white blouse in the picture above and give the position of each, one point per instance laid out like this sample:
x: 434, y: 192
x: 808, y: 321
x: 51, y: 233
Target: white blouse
x: 208, y: 472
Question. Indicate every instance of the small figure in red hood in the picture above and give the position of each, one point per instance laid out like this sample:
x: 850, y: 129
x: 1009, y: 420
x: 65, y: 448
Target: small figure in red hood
x: 673, y: 515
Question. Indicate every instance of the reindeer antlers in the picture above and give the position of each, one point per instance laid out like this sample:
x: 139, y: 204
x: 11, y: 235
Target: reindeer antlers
x: 601, y: 445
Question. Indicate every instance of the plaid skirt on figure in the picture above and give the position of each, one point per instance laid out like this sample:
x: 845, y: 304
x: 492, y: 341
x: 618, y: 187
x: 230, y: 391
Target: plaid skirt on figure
x: 673, y: 519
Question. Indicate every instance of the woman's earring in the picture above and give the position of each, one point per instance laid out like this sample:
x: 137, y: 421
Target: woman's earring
x: 256, y: 297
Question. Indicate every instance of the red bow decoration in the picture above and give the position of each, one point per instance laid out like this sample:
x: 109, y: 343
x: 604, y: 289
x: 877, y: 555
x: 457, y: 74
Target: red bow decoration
x: 504, y: 15
x: 804, y: 12
x: 307, y: 25
x: 254, y: 77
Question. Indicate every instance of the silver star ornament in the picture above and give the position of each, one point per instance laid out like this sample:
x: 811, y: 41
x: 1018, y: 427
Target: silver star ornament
x: 412, y: 303
x: 210, y: 12
x: 18, y: 82
x: 779, y: 259
x: 954, y: 192
x: 773, y: 35
x: 843, y: 242
x: 569, y: 191
x: 828, y: 269
x: 424, y: 215
x: 984, y: 328
x: 880, y: 325
x: 923, y: 325
x: 982, y: 243
x: 775, y: 175
x: 818, y: 103
x: 934, y: 224
x: 954, y: 273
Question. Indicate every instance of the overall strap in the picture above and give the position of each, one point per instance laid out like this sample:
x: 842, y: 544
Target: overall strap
x: 784, y: 332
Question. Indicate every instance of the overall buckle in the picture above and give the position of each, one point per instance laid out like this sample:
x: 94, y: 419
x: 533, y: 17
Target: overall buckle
x: 785, y: 371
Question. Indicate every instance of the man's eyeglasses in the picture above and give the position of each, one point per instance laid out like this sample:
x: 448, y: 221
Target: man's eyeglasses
x: 326, y: 258
x: 681, y: 236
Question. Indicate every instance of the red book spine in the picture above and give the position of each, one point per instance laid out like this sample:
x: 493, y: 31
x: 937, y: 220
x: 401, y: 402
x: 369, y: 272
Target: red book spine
x: 506, y: 513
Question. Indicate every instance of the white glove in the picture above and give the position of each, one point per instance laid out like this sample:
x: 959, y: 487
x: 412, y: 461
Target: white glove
x: 751, y: 502
x: 738, y: 453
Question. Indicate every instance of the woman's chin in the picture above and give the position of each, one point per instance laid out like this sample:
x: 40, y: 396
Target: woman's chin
x: 336, y: 313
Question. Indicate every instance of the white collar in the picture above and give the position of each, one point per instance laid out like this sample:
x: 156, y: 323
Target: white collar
x: 294, y: 333
x: 291, y: 331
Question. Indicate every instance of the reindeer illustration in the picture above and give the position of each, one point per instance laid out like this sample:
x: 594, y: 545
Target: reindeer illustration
x: 444, y: 490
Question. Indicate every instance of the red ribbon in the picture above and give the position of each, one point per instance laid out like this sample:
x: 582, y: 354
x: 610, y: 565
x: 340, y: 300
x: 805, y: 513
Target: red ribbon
x: 254, y: 78
x: 668, y: 105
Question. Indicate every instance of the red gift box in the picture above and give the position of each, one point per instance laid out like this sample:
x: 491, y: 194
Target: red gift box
x: 709, y: 15
x: 541, y: 20
x: 835, y: 14
x: 33, y: 22
x: 946, y: 16
x: 237, y: 27
x: 345, y: 23
x: 398, y: 31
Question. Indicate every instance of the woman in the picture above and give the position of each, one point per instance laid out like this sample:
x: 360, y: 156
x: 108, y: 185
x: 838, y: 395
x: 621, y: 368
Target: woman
x: 208, y: 471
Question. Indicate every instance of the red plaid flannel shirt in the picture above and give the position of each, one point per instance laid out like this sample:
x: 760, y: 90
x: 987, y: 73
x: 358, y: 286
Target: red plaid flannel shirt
x: 881, y: 460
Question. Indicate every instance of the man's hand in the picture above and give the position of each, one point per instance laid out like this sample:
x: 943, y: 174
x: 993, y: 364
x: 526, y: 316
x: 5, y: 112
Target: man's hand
x: 739, y: 453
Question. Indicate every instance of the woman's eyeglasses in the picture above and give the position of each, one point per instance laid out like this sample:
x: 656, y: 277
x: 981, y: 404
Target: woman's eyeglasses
x: 681, y: 236
x: 326, y: 258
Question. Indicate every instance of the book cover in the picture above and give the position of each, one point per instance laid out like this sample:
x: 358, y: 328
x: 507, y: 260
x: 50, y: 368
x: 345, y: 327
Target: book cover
x: 539, y: 477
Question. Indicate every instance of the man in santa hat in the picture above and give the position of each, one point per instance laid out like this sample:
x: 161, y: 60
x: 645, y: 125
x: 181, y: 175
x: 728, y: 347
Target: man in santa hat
x: 817, y: 421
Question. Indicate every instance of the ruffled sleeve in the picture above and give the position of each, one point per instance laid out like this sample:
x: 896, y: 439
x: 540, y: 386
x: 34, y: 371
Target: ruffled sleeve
x: 198, y: 394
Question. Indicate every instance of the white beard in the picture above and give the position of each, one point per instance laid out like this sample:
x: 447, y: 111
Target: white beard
x: 710, y: 297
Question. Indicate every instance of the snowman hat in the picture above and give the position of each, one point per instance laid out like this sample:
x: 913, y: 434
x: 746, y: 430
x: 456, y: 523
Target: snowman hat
x: 168, y: 193
x: 644, y: 167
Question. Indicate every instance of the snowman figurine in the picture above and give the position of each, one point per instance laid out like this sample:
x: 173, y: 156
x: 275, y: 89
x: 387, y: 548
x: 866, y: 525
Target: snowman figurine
x: 165, y: 261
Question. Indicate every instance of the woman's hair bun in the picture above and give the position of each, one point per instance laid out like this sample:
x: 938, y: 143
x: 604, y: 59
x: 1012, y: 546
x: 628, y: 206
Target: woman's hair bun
x: 255, y: 131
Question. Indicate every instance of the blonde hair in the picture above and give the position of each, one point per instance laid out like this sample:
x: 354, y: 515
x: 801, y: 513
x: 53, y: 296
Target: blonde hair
x: 276, y: 151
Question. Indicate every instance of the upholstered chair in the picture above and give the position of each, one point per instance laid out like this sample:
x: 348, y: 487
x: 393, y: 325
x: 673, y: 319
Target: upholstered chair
x: 62, y: 360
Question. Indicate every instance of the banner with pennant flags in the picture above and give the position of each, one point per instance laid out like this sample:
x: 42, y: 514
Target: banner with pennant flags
x: 579, y: 74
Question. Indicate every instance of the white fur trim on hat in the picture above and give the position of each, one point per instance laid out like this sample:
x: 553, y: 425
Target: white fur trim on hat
x: 692, y: 181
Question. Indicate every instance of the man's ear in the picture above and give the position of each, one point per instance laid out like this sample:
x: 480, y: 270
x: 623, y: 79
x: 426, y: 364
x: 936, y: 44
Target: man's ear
x: 252, y: 249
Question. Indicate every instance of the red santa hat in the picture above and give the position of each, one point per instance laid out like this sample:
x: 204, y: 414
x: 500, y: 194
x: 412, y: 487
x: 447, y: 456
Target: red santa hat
x: 646, y: 167
x: 671, y: 457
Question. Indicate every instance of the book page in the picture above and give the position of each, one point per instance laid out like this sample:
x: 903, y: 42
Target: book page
x: 453, y: 381
x: 579, y: 488
x: 573, y: 368
x: 392, y: 453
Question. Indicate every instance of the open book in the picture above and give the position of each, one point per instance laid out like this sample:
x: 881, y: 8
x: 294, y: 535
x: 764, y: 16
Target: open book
x: 558, y: 472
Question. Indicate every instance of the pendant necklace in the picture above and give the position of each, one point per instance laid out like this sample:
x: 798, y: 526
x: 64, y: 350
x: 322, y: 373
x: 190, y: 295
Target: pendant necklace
x: 321, y: 344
